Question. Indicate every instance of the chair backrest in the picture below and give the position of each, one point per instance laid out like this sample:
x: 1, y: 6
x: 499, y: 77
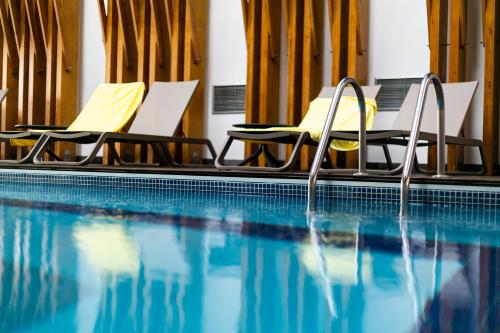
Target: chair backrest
x: 163, y: 108
x: 110, y: 107
x: 368, y: 91
x: 457, y: 99
x: 3, y: 94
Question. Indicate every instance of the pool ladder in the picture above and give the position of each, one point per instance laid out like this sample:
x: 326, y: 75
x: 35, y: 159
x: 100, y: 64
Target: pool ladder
x: 409, y: 156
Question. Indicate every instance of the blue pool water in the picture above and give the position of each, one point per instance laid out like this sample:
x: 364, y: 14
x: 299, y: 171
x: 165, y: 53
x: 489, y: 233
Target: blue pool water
x: 80, y: 259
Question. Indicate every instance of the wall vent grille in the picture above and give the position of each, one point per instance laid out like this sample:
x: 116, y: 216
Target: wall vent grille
x: 229, y: 99
x: 393, y: 92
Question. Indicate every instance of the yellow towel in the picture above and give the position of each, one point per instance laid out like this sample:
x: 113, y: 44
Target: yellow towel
x: 108, y: 110
x: 346, y: 119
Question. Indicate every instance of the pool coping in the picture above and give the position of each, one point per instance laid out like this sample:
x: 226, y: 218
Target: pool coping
x: 359, y: 182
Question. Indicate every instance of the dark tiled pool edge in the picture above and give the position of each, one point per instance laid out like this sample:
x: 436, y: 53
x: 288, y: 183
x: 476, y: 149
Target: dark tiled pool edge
x: 468, y: 196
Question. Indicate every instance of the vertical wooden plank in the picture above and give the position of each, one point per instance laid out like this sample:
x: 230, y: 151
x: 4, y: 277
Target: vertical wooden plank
x: 23, y: 96
x: 143, y: 17
x: 311, y: 63
x: 10, y: 70
x: 67, y: 77
x: 51, y: 66
x: 36, y: 84
x: 111, y: 41
x: 357, y: 60
x: 338, y: 14
x: 194, y: 69
x: 254, y: 12
x: 295, y: 30
x: 491, y: 10
x: 8, y: 32
x: 177, y: 47
x: 438, y: 31
x: 456, y: 66
x: 339, y: 30
x: 269, y: 65
x: 9, y: 107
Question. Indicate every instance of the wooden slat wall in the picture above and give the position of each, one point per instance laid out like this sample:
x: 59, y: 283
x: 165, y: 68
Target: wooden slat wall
x: 262, y: 20
x: 437, y: 20
x: 349, y: 38
x: 491, y: 24
x: 40, y: 49
x: 304, y: 24
x: 158, y: 40
x: 456, y: 65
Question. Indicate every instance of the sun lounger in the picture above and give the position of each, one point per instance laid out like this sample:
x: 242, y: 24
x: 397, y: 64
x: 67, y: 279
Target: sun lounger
x: 458, y: 97
x: 265, y: 134
x: 155, y: 124
x: 109, y: 108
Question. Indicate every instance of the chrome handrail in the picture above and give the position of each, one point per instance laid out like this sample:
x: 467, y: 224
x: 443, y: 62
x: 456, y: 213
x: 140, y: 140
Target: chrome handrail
x: 415, y: 131
x: 325, y: 138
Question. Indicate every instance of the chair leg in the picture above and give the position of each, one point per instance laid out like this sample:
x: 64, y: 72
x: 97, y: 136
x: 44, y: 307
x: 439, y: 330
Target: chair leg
x: 388, y: 158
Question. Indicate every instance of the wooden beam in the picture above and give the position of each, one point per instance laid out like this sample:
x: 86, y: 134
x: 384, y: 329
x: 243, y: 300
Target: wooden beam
x: 60, y: 18
x: 35, y: 33
x: 10, y: 80
x: 111, y: 41
x: 127, y: 31
x: 162, y: 35
x: 14, y: 17
x: 357, y: 61
x: 41, y: 9
x: 51, y: 66
x: 9, y: 42
x: 194, y: 69
x: 295, y: 30
x: 311, y: 64
x: 169, y: 17
x: 254, y: 14
x: 491, y: 12
x: 177, y: 42
x: 244, y: 9
x: 438, y: 31
x: 67, y: 16
x: 338, y: 14
x: 193, y: 31
x: 134, y: 13
x: 456, y: 66
x: 272, y: 37
x: 102, y: 18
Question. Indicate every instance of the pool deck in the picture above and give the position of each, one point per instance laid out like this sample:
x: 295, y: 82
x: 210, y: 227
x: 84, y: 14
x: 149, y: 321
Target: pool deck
x: 418, y: 178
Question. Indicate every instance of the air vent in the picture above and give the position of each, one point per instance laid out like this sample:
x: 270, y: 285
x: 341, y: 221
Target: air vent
x: 393, y: 92
x: 229, y: 99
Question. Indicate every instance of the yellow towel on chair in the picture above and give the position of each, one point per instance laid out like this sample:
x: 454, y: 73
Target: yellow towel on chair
x: 108, y: 110
x: 346, y: 119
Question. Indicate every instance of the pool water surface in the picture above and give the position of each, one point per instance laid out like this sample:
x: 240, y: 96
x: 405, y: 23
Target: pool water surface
x: 86, y: 259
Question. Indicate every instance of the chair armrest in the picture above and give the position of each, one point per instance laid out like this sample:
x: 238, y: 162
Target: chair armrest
x: 260, y: 126
x: 41, y: 127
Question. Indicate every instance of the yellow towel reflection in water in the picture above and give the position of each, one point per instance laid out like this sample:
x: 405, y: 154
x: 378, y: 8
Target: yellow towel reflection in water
x: 108, y: 248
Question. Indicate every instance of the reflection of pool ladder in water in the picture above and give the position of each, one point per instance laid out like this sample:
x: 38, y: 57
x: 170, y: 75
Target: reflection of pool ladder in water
x: 410, y: 148
x: 325, y: 138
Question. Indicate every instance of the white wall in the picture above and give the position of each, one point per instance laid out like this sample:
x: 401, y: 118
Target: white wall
x: 398, y: 47
x: 92, y: 56
x: 227, y: 59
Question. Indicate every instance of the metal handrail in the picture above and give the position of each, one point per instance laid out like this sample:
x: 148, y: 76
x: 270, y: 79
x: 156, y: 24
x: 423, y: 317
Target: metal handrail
x: 325, y: 138
x: 415, y: 131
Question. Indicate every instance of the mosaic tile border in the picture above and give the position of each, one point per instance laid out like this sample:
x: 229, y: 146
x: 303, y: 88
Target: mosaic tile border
x: 298, y: 191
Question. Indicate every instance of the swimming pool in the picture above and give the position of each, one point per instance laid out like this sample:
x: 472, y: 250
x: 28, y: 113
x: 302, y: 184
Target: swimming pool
x: 121, y: 256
